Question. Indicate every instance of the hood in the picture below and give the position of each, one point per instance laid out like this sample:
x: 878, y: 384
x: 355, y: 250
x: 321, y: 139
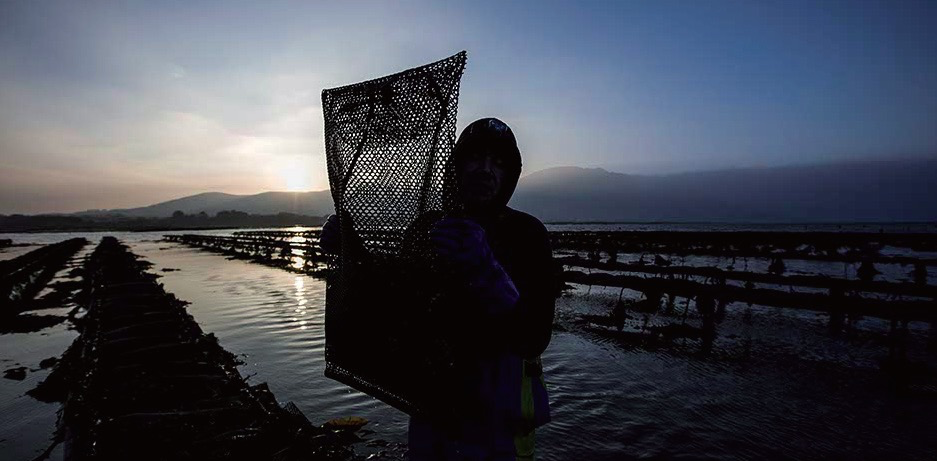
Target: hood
x: 495, y: 136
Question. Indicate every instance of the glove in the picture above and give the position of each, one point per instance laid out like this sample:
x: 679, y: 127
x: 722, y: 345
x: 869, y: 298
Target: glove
x: 330, y: 237
x: 461, y: 243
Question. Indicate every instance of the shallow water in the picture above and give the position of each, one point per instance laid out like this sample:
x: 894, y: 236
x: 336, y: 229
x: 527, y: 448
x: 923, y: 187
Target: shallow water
x: 274, y: 321
x: 775, y: 386
x: 782, y: 390
x: 26, y: 425
x: 748, y: 227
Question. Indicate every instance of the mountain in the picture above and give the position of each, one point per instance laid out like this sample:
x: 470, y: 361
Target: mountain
x: 894, y: 190
x: 316, y: 203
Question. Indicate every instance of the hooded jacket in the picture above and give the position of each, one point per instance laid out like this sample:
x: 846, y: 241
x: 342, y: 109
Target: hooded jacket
x: 504, y: 372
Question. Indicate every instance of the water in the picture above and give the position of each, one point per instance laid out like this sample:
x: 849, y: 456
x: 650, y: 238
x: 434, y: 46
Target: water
x: 776, y: 385
x: 26, y: 425
x: 748, y: 227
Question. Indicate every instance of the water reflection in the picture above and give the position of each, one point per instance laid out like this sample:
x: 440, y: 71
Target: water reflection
x: 300, y: 295
x: 297, y: 255
x: 298, y: 262
x: 297, y: 229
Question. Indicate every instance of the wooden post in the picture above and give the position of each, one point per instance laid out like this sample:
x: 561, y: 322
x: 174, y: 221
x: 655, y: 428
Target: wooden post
x: 837, y: 311
x: 932, y: 334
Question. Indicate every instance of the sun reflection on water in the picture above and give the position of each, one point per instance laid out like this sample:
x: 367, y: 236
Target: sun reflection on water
x: 298, y: 229
x: 300, y: 295
x: 298, y: 261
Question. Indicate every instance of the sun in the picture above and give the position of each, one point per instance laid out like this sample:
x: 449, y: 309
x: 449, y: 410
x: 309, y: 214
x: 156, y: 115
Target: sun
x: 297, y: 178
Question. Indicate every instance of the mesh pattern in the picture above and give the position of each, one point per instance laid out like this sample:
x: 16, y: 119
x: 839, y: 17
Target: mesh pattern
x: 388, y: 145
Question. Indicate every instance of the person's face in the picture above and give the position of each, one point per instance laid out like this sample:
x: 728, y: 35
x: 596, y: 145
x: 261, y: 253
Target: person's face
x: 481, y: 175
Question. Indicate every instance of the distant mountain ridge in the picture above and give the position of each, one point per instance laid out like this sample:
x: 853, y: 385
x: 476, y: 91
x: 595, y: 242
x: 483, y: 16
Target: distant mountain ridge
x: 892, y: 190
x: 315, y: 203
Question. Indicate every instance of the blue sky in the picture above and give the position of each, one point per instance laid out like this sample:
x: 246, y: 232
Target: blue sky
x: 119, y: 104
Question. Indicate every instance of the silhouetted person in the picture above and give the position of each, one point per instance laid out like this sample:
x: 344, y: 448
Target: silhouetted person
x: 502, y: 278
x: 619, y: 315
x: 919, y: 273
x: 867, y: 271
x: 837, y: 310
x: 706, y: 306
x: 777, y: 266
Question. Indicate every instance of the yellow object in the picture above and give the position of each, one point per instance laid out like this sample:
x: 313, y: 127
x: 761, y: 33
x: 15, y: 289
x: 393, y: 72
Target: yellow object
x: 348, y: 422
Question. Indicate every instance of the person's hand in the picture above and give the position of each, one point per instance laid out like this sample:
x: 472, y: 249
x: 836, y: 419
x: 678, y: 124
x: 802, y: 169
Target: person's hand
x: 461, y: 243
x: 330, y: 238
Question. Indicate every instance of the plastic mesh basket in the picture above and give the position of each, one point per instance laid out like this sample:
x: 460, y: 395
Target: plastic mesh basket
x: 388, y: 145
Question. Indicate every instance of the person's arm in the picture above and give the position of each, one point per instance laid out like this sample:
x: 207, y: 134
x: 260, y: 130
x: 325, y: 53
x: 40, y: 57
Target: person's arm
x: 527, y: 328
x: 330, y: 238
x: 514, y: 311
x: 536, y: 279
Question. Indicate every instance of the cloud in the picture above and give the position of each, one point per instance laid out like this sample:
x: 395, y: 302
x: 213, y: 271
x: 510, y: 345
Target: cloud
x: 225, y: 96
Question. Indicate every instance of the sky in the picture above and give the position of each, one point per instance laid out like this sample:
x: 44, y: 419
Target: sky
x: 125, y: 104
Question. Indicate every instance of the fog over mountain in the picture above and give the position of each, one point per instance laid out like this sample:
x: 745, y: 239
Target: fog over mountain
x: 892, y: 190
x: 898, y: 190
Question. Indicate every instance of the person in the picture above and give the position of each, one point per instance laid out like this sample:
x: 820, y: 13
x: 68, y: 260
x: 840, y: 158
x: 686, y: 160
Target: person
x: 503, y: 274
